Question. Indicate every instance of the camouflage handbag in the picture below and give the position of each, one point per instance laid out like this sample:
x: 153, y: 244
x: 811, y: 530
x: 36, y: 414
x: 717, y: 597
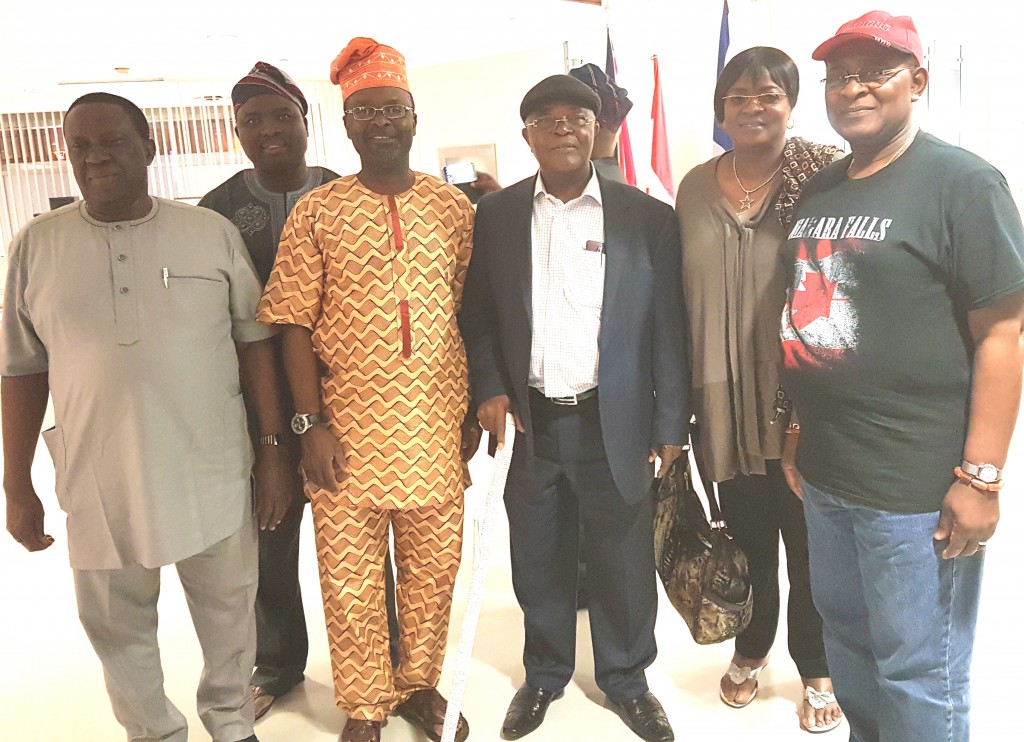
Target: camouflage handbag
x: 702, y: 568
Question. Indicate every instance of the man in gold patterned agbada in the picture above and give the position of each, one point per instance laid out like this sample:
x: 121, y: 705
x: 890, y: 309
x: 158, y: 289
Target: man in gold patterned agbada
x: 366, y: 286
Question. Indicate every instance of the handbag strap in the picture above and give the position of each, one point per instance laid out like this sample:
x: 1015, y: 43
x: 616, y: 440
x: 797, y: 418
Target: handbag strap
x: 709, y: 486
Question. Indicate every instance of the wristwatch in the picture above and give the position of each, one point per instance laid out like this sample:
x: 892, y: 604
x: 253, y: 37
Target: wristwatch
x: 302, y: 422
x: 987, y: 473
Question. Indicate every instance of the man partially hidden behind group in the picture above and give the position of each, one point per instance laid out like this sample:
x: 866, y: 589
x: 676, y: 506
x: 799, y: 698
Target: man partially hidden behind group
x: 107, y: 302
x: 272, y: 127
x: 270, y: 122
x: 366, y: 285
x: 615, y: 105
x: 574, y: 322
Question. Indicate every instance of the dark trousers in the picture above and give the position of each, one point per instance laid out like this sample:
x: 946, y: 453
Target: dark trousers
x: 758, y: 508
x: 570, y: 483
x: 281, y: 641
x: 282, y: 644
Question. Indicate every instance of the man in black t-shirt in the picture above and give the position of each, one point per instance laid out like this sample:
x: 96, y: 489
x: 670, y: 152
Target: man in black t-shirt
x: 901, y: 338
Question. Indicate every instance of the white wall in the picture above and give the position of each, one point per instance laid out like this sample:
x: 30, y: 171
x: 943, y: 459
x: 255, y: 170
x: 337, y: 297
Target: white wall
x: 478, y: 103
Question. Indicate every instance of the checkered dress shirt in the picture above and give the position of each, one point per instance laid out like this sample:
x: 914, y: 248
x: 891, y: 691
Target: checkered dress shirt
x: 568, y: 290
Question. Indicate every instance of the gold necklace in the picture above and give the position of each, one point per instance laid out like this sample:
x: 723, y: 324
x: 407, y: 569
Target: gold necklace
x: 899, y: 153
x: 747, y: 201
x: 903, y: 148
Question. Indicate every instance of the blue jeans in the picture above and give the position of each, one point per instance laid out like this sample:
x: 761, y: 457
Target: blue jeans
x: 898, y: 620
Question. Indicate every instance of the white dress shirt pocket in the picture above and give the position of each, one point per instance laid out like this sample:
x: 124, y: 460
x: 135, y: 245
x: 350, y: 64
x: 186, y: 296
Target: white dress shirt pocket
x: 584, y: 279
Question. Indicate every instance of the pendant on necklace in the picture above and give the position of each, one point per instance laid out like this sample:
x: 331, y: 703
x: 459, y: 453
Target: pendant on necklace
x: 746, y: 203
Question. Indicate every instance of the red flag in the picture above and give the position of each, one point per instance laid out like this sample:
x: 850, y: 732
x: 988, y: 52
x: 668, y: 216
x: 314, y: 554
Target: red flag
x: 660, y: 160
x: 625, y: 149
x: 626, y: 156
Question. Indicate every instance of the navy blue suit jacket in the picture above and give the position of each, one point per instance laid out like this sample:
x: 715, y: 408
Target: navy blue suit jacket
x: 643, y: 374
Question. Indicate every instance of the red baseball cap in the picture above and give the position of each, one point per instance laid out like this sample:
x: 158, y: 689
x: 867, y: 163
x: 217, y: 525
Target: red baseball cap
x: 895, y: 31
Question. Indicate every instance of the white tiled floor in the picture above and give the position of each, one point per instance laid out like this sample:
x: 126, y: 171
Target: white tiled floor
x: 52, y: 689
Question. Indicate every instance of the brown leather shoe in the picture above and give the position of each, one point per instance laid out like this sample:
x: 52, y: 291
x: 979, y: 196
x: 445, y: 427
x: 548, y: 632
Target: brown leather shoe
x: 360, y: 730
x: 425, y: 710
x: 261, y: 701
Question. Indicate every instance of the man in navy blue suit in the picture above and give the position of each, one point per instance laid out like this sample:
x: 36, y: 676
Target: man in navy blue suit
x: 575, y: 284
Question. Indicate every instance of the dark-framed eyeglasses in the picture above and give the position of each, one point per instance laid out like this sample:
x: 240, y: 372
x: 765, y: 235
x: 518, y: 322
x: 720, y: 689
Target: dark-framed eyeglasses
x: 764, y: 100
x: 368, y: 113
x: 868, y: 78
x: 548, y: 124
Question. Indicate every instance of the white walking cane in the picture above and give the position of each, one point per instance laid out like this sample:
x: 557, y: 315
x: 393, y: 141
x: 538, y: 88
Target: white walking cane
x: 482, y: 554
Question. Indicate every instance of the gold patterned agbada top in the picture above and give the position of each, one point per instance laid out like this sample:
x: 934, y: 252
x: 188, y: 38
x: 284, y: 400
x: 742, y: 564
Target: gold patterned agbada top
x: 378, y: 280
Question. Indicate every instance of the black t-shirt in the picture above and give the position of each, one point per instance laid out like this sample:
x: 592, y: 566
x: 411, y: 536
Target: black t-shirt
x: 877, y: 352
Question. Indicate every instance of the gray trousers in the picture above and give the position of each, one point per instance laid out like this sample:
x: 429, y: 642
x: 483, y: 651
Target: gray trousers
x: 118, y: 609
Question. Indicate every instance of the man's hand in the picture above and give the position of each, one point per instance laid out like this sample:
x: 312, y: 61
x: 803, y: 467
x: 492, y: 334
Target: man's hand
x: 667, y: 454
x: 274, y: 486
x: 491, y: 415
x: 967, y: 520
x: 485, y: 182
x: 25, y: 519
x: 789, y: 470
x: 324, y: 461
x: 23, y: 399
x: 470, y: 438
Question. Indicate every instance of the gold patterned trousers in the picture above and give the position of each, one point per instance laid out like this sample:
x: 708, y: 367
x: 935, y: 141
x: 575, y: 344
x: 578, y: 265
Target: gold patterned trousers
x: 351, y: 544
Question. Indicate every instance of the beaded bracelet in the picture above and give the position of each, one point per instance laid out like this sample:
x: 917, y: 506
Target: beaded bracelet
x: 977, y: 483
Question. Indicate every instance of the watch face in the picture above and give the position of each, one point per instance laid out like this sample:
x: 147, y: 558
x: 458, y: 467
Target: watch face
x: 988, y: 473
x: 300, y: 424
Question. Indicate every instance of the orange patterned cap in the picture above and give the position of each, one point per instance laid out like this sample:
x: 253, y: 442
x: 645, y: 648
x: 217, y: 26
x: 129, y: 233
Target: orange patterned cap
x: 364, y: 63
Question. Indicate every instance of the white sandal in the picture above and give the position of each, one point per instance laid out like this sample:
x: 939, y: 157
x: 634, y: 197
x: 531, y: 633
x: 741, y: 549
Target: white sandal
x: 819, y: 699
x: 738, y: 676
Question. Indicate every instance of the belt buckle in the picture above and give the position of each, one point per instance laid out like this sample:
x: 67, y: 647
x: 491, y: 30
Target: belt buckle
x: 566, y: 401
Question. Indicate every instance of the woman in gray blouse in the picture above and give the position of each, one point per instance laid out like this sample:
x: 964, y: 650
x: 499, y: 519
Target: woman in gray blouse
x: 734, y: 211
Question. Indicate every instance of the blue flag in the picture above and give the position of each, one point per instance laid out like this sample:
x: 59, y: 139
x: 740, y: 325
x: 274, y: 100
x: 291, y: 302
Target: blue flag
x: 721, y: 138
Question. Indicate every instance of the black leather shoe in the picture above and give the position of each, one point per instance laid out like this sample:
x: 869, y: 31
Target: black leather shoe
x: 526, y: 712
x: 645, y: 716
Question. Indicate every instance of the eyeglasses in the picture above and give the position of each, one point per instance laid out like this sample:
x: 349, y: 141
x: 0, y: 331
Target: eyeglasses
x: 764, y: 100
x: 548, y: 124
x: 368, y: 113
x: 868, y: 78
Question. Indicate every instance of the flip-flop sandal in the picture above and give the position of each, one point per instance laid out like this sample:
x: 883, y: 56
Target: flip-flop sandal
x: 819, y: 699
x: 738, y: 676
x: 425, y: 710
